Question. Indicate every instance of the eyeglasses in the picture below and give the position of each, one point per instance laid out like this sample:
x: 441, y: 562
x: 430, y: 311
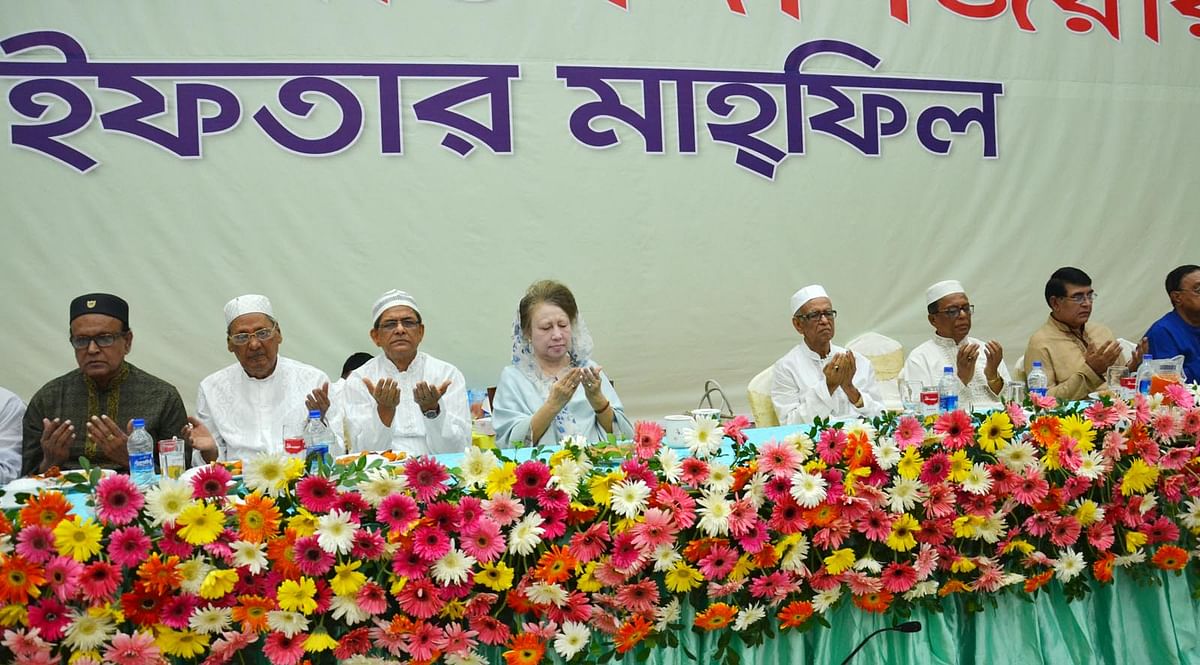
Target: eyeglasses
x: 390, y: 325
x: 1194, y: 291
x: 1080, y: 298
x: 830, y: 314
x: 262, y: 335
x: 955, y: 312
x: 103, y: 341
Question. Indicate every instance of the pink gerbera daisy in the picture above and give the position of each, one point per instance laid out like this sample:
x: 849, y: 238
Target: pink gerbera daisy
x: 1100, y: 414
x: 317, y: 493
x: 647, y: 436
x: 1166, y: 425
x: 1065, y: 531
x: 899, y: 577
x: 99, y: 581
x: 229, y: 644
x: 372, y: 599
x: 50, y: 618
x: 1179, y: 396
x: 638, y: 470
x: 741, y: 516
x: 1191, y: 422
x: 1101, y: 535
x: 211, y: 481
x: 936, y: 468
x: 680, y: 504
x: 178, y: 609
x: 397, y: 511
x: 27, y: 645
x: 456, y: 639
x: 909, y: 432
x: 420, y: 599
x: 589, y: 545
x: 62, y: 574
x: 532, y: 476
x: 756, y: 537
x: 1016, y: 414
x: 36, y: 543
x: 444, y: 515
x: 503, y: 509
x: 407, y: 563
x: 831, y: 445
x: 471, y: 509
x: 426, y: 477
x: 283, y: 650
x: 351, y: 503
x: 368, y: 545
x: 719, y: 562
x: 656, y: 529
x: 484, y: 541
x: 693, y: 472
x: 787, y: 516
x: 625, y: 551
x: 136, y: 649
x: 875, y: 525
x: 956, y: 428
x: 1031, y: 488
x: 490, y: 629
x: 128, y: 547
x: 638, y: 597
x: 118, y: 499
x: 778, y: 459
x: 310, y: 557
x: 422, y: 641
x: 430, y: 543
x: 939, y: 501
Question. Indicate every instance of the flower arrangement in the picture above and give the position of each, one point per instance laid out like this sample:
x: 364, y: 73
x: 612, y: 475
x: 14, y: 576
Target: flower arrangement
x: 596, y: 555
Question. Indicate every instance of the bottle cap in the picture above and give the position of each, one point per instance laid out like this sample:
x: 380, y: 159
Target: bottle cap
x: 1037, y: 363
x: 315, y: 413
x: 947, y: 370
x: 139, y: 423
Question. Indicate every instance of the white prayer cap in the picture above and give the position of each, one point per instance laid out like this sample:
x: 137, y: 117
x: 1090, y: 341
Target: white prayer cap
x: 250, y: 303
x: 942, y: 289
x: 809, y: 292
x: 393, y: 298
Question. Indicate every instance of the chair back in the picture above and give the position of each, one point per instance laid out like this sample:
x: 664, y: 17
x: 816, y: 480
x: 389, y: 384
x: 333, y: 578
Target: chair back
x: 759, y: 393
x: 886, y: 354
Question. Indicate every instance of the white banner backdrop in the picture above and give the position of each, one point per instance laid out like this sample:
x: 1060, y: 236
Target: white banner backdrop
x: 682, y: 260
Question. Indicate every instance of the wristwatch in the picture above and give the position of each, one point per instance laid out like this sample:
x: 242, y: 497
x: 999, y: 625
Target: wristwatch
x: 433, y: 413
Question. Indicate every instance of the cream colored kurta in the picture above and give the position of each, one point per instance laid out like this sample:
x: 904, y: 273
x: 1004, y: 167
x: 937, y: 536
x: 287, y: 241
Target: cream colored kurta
x: 799, y: 391
x: 927, y: 362
x: 1061, y: 353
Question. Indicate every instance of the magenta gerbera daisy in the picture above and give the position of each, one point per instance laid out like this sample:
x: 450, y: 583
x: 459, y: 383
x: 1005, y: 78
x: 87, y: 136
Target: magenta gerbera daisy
x: 36, y: 543
x: 317, y: 493
x: 426, y: 477
x: 129, y: 546
x: 407, y: 563
x: 211, y: 481
x: 956, y: 428
x: 62, y: 574
x: 368, y: 545
x: 430, y: 542
x: 532, y: 476
x: 719, y: 562
x: 444, y: 515
x: 283, y: 650
x: 483, y: 541
x: 178, y: 609
x: 420, y: 598
x: 50, y: 618
x: 397, y: 511
x: 99, y: 581
x: 118, y: 499
x: 311, y: 558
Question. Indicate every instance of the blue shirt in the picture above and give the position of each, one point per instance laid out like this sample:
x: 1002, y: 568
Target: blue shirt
x: 1171, y: 336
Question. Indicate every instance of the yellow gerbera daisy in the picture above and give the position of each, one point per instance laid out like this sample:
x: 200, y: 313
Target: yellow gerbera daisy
x: 200, y: 523
x: 79, y: 539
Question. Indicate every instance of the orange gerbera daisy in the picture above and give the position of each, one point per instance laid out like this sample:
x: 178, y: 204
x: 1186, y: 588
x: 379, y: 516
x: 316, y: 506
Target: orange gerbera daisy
x: 795, y: 613
x: 578, y: 513
x: 281, y: 551
x: 821, y: 516
x: 20, y: 579
x: 525, y: 649
x: 877, y: 602
x: 743, y: 474
x: 699, y: 548
x: 1170, y: 557
x: 1045, y: 430
x: 717, y: 616
x: 251, y: 612
x: 258, y: 518
x: 631, y: 632
x: 858, y: 450
x: 46, y: 509
x: 555, y: 565
x: 1038, y: 581
x: 953, y: 586
x: 159, y: 575
x: 6, y: 526
x: 1103, y: 568
x: 766, y: 557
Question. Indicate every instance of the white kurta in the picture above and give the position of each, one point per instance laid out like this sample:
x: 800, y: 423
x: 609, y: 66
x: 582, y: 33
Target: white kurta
x: 518, y: 398
x: 248, y: 416
x: 12, y: 413
x: 927, y: 362
x: 800, y: 393
x: 355, y: 411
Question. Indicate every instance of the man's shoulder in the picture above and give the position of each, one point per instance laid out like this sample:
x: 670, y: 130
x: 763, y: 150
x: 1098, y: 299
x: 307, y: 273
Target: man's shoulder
x: 148, y: 381
x: 438, y: 366
x: 1166, y: 322
x: 303, y: 370
x: 220, y: 377
x: 58, y: 383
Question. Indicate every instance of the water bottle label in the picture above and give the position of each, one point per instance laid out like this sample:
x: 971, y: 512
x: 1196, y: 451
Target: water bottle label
x: 141, y: 465
x: 317, y: 453
x: 1144, y: 386
x: 948, y: 402
x: 1041, y: 392
x: 293, y: 446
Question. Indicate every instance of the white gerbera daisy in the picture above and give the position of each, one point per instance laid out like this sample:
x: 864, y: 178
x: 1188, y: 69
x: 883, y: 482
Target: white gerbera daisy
x: 808, y: 489
x: 803, y: 444
x: 211, y: 620
x: 887, y: 453
x: 526, y: 534
x: 720, y: 478
x: 671, y: 468
x: 571, y: 639
x: 1191, y: 514
x: 756, y: 490
x: 992, y: 528
x: 794, y: 559
x: 167, y: 500
x: 335, y: 532
x: 749, y: 616
x: 477, y: 465
x: 629, y: 497
x: 904, y: 494
x: 88, y: 630
x: 869, y: 564
x: 714, y: 511
x: 454, y: 567
x: 978, y: 480
x: 192, y: 573
x: 921, y: 590
x: 704, y: 439
x: 566, y: 475
x: 544, y: 593
x: 380, y: 484
x: 666, y: 615
x: 249, y: 555
x: 665, y: 557
x: 462, y: 658
x: 346, y: 608
x: 1131, y: 559
x: 1069, y: 564
x: 825, y: 599
x: 288, y: 623
x: 1018, y: 455
x: 266, y: 473
x: 1091, y: 465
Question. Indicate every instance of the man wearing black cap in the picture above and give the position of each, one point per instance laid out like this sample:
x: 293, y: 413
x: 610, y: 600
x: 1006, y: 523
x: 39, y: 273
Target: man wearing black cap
x: 85, y: 412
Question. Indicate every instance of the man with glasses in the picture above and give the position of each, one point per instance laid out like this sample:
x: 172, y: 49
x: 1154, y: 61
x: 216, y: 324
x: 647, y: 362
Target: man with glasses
x: 87, y: 411
x: 1075, y: 352
x: 1177, y: 333
x: 403, y: 399
x: 244, y: 409
x: 979, y: 366
x: 818, y: 379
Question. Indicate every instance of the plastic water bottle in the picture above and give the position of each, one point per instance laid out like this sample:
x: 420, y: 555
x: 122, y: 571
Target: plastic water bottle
x: 318, y: 441
x: 1144, y: 375
x: 141, y: 454
x: 1037, y: 382
x: 948, y: 391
